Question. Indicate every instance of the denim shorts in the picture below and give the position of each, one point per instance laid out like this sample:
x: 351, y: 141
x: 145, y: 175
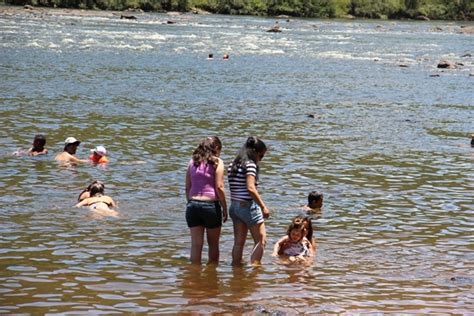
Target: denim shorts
x: 204, y: 213
x: 247, y: 212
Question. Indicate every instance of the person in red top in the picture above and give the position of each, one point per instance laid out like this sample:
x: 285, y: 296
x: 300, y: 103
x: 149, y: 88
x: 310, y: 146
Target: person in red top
x: 98, y: 155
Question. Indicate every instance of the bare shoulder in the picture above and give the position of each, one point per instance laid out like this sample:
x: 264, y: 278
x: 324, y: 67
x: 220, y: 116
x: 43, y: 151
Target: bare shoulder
x: 64, y: 156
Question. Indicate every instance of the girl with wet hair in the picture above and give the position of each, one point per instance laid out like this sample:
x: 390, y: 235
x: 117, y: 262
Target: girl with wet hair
x: 294, y: 245
x: 86, y: 192
x: 38, y: 146
x: 98, y: 202
x: 206, y: 207
x: 97, y: 189
x: 247, y: 209
x: 308, y: 226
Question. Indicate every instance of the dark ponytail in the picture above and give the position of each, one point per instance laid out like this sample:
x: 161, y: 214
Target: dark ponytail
x: 252, y: 148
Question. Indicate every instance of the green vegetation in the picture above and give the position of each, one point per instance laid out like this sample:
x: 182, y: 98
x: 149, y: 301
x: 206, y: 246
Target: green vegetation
x: 379, y: 9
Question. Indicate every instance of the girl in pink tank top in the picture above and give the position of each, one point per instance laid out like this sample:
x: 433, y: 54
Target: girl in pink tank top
x: 206, y: 207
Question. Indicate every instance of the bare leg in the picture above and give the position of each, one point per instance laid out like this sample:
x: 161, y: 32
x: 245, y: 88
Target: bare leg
x: 259, y: 236
x: 240, y: 235
x: 213, y: 236
x: 197, y: 241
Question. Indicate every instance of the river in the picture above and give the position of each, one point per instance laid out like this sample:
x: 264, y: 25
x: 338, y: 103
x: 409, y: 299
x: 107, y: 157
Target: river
x: 354, y: 108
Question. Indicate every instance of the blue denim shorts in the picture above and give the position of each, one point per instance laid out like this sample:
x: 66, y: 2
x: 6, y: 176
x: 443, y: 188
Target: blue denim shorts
x: 247, y: 212
x: 204, y: 213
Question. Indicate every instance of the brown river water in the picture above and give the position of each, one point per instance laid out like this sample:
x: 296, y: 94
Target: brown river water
x: 389, y: 146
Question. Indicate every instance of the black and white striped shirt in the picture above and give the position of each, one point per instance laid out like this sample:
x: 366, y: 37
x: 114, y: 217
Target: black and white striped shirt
x: 238, y: 181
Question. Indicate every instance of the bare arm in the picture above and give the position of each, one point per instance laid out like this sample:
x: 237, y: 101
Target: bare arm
x: 76, y: 160
x: 220, y: 189
x: 252, y: 189
x: 83, y: 203
x: 112, y: 202
x: 37, y: 153
x: 188, y: 182
x: 279, y: 246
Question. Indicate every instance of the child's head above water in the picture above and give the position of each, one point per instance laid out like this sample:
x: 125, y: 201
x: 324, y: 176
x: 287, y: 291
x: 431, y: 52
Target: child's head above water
x: 307, y: 225
x: 315, y: 199
x: 296, y: 231
x: 38, y: 142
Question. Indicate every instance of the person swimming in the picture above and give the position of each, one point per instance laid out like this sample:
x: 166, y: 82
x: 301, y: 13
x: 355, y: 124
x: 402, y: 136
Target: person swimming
x: 38, y: 146
x: 98, y: 202
x: 315, y: 203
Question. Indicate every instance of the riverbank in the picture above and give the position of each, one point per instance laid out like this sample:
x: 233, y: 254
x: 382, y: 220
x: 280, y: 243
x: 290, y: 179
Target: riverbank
x: 332, y: 10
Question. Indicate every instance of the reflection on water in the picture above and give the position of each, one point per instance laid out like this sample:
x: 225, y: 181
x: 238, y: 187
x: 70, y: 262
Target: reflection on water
x: 388, y: 146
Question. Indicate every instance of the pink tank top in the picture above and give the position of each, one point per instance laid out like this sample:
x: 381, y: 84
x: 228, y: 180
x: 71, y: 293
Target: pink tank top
x: 203, y: 181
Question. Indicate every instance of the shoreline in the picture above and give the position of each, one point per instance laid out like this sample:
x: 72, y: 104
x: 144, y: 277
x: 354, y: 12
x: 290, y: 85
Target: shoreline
x: 10, y: 10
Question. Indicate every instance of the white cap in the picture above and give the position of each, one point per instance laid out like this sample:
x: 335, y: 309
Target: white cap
x: 99, y: 150
x: 71, y: 140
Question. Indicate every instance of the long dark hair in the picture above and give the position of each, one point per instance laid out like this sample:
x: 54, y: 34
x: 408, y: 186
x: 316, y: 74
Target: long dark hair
x: 88, y: 189
x: 252, y: 148
x: 207, y: 151
x: 97, y: 188
x: 95, y: 183
x: 301, y: 219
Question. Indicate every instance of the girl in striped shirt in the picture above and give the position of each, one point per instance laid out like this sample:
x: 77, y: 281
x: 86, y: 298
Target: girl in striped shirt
x: 247, y: 208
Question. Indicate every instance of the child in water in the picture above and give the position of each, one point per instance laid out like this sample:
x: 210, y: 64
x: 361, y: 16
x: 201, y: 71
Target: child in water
x: 315, y: 203
x: 38, y: 146
x: 295, y: 246
x: 98, y: 155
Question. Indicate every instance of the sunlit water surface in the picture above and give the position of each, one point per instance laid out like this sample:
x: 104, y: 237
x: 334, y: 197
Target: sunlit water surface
x: 388, y: 146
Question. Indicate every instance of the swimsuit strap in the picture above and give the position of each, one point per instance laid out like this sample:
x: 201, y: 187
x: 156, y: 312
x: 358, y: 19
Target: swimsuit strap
x: 108, y: 204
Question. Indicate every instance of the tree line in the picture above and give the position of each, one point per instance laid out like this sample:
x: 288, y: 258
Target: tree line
x: 378, y: 9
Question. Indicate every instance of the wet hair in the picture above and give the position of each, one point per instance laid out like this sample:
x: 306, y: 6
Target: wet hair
x: 299, y: 225
x: 207, y: 151
x: 252, y: 148
x: 301, y: 219
x: 314, y: 196
x: 97, y: 188
x: 88, y: 189
x: 40, y: 139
